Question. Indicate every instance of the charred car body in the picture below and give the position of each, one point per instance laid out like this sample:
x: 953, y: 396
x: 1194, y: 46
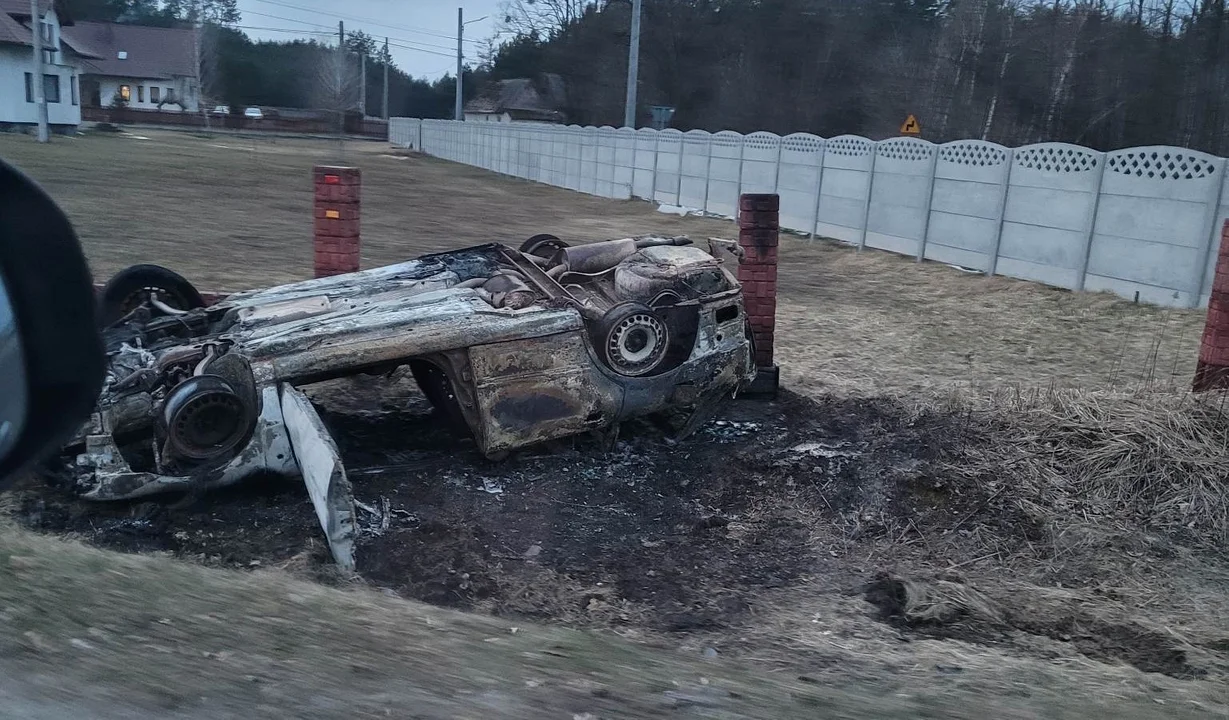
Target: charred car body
x: 517, y: 346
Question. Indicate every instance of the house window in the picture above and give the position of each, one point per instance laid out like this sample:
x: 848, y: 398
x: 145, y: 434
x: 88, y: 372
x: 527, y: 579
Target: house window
x: 29, y: 88
x: 155, y: 94
x: 140, y: 93
x: 125, y: 93
x: 51, y: 88
x: 72, y: 88
x: 48, y: 34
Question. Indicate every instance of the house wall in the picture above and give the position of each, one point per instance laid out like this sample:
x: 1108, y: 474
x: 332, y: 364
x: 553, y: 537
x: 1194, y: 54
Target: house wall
x: 488, y: 117
x: 108, y: 88
x: 15, y: 62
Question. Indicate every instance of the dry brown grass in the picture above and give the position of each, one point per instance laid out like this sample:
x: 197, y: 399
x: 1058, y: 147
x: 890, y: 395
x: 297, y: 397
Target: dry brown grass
x: 1148, y: 460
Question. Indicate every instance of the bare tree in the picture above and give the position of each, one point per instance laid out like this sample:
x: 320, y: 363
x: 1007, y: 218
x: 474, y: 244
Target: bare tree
x: 543, y: 17
x: 338, y: 80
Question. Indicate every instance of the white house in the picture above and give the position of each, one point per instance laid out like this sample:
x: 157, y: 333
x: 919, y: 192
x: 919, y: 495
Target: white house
x: 146, y: 68
x: 60, y: 67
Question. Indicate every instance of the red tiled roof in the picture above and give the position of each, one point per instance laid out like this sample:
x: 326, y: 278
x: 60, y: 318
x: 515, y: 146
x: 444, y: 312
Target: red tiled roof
x: 150, y: 52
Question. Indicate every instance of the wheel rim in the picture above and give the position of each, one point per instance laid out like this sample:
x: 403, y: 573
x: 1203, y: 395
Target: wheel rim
x: 637, y: 344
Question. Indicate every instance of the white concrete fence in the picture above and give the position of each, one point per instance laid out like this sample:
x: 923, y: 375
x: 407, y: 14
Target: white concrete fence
x: 1141, y: 222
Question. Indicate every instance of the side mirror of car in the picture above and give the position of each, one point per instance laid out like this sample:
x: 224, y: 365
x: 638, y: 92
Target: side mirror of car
x: 51, y: 356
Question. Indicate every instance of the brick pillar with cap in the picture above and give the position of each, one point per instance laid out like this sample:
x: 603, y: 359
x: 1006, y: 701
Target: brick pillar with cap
x: 1212, y: 371
x: 758, y: 236
x: 336, y: 245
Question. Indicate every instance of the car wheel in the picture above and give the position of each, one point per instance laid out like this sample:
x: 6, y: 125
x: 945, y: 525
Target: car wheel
x: 632, y: 339
x: 543, y: 246
x: 131, y: 286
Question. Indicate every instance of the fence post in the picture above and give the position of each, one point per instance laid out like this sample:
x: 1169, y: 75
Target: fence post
x: 1212, y: 371
x: 870, y: 190
x: 776, y: 177
x: 708, y: 172
x: 678, y: 173
x: 1209, y: 233
x: 998, y: 234
x: 930, y: 201
x: 819, y: 187
x: 1092, y: 223
x: 742, y: 154
x: 336, y: 219
x: 759, y: 227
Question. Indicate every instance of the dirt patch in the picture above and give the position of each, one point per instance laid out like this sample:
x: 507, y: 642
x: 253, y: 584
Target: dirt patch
x: 952, y: 610
x: 696, y: 538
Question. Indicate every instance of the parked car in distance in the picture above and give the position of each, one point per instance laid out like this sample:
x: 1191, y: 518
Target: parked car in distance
x: 220, y: 110
x: 253, y: 113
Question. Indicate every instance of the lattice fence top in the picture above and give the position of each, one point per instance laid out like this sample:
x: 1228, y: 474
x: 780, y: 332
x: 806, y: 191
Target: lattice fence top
x: 727, y: 138
x: 977, y: 154
x: 762, y: 141
x: 849, y: 146
x: 696, y: 137
x: 804, y: 142
x: 906, y: 149
x: 1160, y: 164
x: 1057, y: 158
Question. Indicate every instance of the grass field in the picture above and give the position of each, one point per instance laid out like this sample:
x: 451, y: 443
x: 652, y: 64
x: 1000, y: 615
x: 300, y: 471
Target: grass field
x: 1087, y: 508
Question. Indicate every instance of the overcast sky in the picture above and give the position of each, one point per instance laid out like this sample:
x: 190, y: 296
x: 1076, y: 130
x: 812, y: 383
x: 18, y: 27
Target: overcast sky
x: 421, y: 33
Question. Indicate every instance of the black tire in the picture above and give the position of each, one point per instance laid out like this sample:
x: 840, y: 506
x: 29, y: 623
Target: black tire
x: 543, y: 245
x: 435, y: 385
x: 632, y: 339
x: 125, y: 291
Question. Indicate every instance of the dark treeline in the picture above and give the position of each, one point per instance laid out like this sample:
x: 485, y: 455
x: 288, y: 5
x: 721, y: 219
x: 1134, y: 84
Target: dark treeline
x: 237, y: 71
x: 1102, y: 74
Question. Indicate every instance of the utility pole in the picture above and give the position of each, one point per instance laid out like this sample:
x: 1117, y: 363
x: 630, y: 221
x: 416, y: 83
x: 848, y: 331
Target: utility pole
x: 384, y: 105
x: 633, y: 68
x: 458, y: 115
x: 341, y: 62
x: 40, y: 97
x: 362, y: 89
x: 196, y: 63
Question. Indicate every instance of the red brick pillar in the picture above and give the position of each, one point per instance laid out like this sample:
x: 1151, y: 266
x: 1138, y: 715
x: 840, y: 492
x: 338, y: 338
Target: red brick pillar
x: 758, y: 235
x: 1212, y: 372
x: 336, y: 219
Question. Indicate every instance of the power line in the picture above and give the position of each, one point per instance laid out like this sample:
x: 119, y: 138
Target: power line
x: 377, y: 23
x: 401, y: 43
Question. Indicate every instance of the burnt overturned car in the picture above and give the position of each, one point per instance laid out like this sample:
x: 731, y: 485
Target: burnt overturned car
x: 514, y: 346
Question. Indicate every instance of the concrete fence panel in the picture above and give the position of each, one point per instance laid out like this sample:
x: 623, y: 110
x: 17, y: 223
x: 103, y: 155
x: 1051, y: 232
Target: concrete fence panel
x: 1154, y: 218
x: 607, y: 138
x: 588, y: 160
x: 668, y: 168
x: 801, y: 170
x: 845, y: 190
x: 900, y: 195
x: 966, y: 207
x: 573, y: 136
x: 646, y: 163
x: 1048, y: 219
x: 402, y: 132
x: 725, y: 173
x: 1141, y: 222
x: 559, y: 155
x: 693, y: 169
x: 761, y: 159
x: 625, y: 161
